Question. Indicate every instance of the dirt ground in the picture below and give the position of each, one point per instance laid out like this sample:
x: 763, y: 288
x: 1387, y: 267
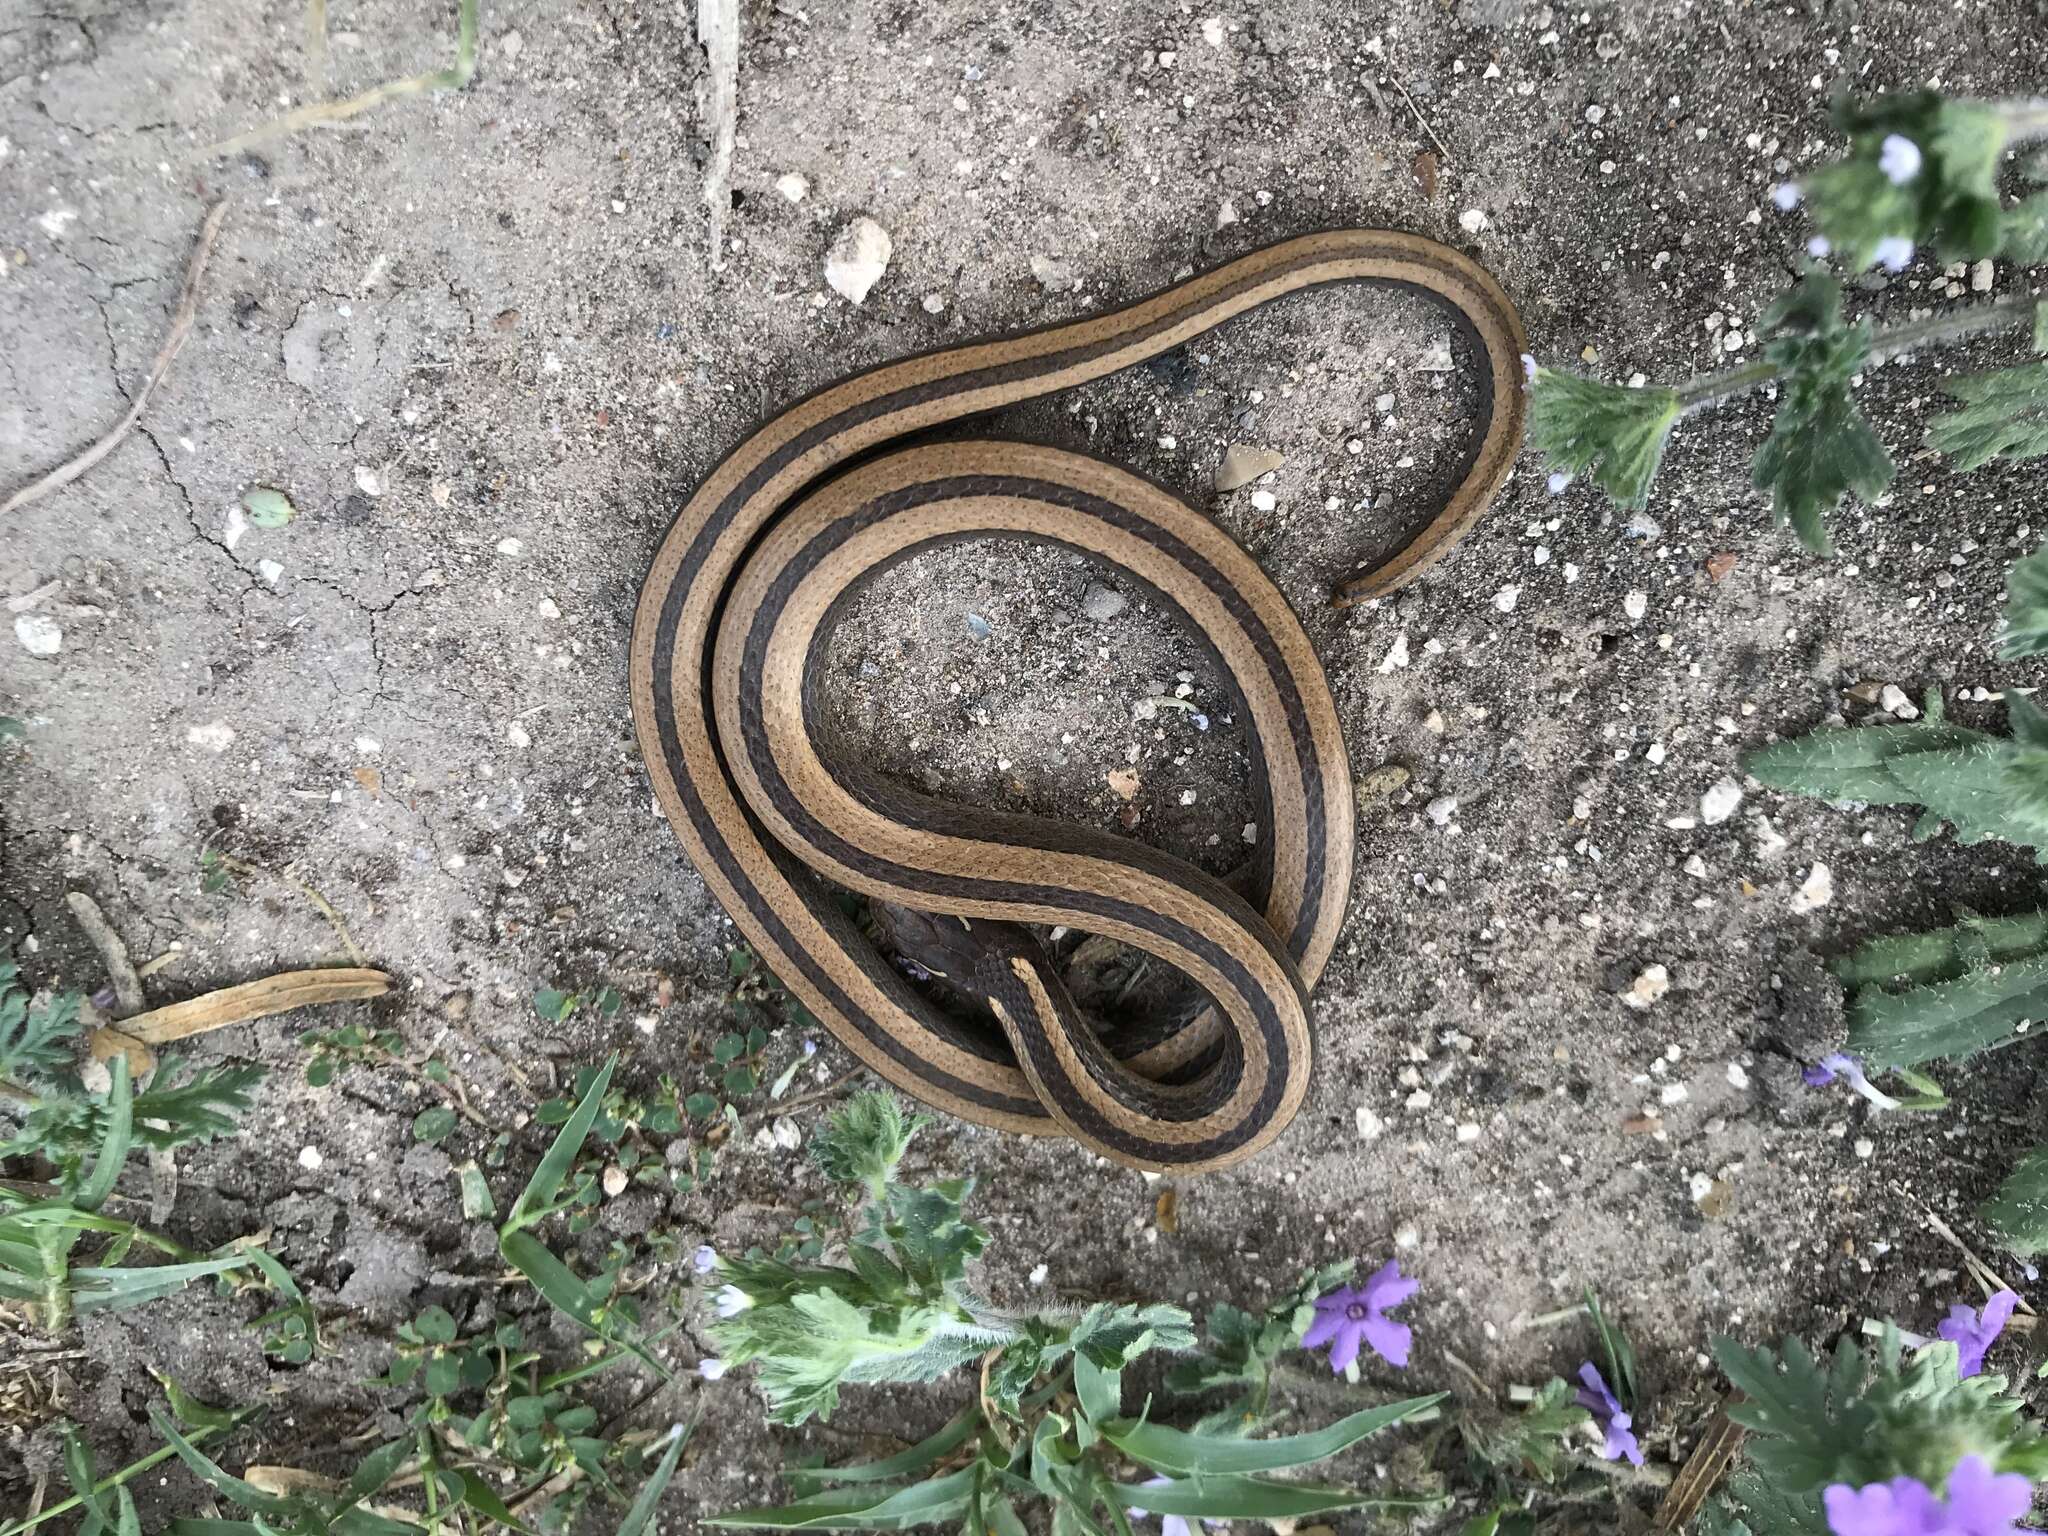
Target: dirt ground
x: 479, y: 341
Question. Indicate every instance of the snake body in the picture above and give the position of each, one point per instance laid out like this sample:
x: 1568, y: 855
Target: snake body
x: 727, y: 649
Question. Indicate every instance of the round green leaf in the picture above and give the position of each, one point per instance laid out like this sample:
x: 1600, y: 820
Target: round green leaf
x: 268, y: 507
x: 434, y: 1124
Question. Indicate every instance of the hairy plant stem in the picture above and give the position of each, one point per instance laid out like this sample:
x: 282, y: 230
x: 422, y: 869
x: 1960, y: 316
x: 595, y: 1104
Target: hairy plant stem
x: 1885, y: 345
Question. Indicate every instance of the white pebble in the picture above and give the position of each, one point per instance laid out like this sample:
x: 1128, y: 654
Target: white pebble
x: 792, y: 186
x: 1817, y: 890
x: 1895, y: 702
x: 1506, y: 598
x: 1468, y: 1131
x: 1369, y: 1124
x: 1442, y: 809
x: 1737, y: 1078
x: 1636, y: 604
x: 857, y: 259
x: 1263, y: 501
x: 1407, y: 1235
x: 1473, y: 220
x: 310, y: 1158
x: 215, y: 736
x: 1397, y: 655
x: 39, y: 634
x: 1648, y: 989
x: 1720, y: 801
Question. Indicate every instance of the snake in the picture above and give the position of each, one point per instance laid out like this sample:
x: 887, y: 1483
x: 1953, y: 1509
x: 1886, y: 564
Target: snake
x: 730, y: 683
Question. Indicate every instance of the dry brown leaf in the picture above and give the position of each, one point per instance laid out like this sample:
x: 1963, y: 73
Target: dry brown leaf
x: 1425, y: 174
x: 1123, y: 782
x: 371, y: 780
x: 1166, y: 1212
x: 1720, y: 563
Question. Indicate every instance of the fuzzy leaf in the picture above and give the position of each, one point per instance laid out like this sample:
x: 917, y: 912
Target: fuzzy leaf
x: 1952, y: 204
x: 38, y: 1041
x: 863, y: 1143
x: 1180, y: 1454
x: 1820, y: 448
x: 1945, y: 953
x: 2019, y: 1211
x: 1528, y: 1442
x: 2004, y: 416
x: 1949, y: 1018
x: 1617, y: 435
x: 1836, y: 764
x: 1809, y: 1419
x: 2026, y: 610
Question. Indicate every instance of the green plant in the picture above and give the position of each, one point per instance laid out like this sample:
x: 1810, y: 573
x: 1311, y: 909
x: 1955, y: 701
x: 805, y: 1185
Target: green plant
x: 1919, y: 170
x: 84, y: 1138
x: 1048, y: 1420
x: 1858, y: 1417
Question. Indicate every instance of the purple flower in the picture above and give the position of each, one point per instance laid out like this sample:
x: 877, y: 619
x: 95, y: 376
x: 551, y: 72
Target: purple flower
x: 1980, y: 1503
x: 1618, y: 1426
x: 1785, y: 195
x: 1972, y: 1333
x: 712, y: 1368
x: 1353, y: 1313
x: 1819, y: 247
x: 1899, y: 159
x: 1840, y: 1064
x: 1892, y: 253
x: 1559, y: 482
x: 705, y: 1259
x: 1528, y: 368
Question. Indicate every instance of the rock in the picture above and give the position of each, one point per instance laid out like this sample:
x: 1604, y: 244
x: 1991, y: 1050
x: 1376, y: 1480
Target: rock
x: 1054, y: 275
x: 1442, y: 809
x: 934, y: 304
x: 857, y: 259
x: 1720, y: 801
x: 39, y: 634
x: 1242, y: 465
x: 1473, y: 220
x: 1264, y: 501
x: 1380, y: 783
x: 1895, y: 702
x: 1817, y: 890
x: 1720, y: 564
x: 1506, y: 598
x: 793, y: 187
x: 215, y: 735
x: 1123, y: 782
x: 511, y: 45
x: 1369, y: 1124
x: 1101, y: 603
x: 1983, y: 275
x: 1397, y: 655
x: 1635, y: 605
x: 1648, y: 989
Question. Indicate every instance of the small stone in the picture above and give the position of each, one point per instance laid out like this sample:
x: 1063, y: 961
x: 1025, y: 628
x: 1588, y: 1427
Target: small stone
x: 1054, y: 275
x: 792, y: 186
x: 1381, y: 782
x: 857, y: 259
x: 1720, y: 801
x: 1101, y: 603
x: 1506, y: 598
x: 1672, y: 1093
x: 1407, y: 1235
x: 1737, y: 1078
x: 1719, y: 564
x: 1648, y: 989
x: 511, y: 46
x: 1038, y: 1274
x: 1893, y: 699
x: 517, y: 734
x: 1817, y: 890
x: 1635, y: 605
x: 1123, y: 782
x: 1433, y: 722
x: 39, y: 634
x: 1696, y: 867
x: 1419, y: 1099
x: 1442, y: 809
x: 511, y: 547
x: 1369, y: 1124
x: 615, y: 1180
x: 310, y: 1159
x: 1226, y: 214
x: 1468, y: 1132
x: 1212, y: 31
x: 1263, y: 501
x: 1397, y: 655
x: 1242, y: 465
x: 367, y: 481
x: 1473, y: 220
x: 934, y: 304
x: 1982, y: 275
x: 215, y: 736
x: 1864, y: 1145
x: 787, y: 1137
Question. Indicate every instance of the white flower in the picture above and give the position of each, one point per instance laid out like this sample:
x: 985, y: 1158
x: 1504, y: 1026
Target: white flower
x: 712, y: 1369
x: 732, y: 1301
x: 1785, y: 195
x: 1899, y: 159
x: 1528, y: 368
x: 1558, y: 481
x: 1818, y: 247
x: 706, y: 1259
x: 1893, y: 252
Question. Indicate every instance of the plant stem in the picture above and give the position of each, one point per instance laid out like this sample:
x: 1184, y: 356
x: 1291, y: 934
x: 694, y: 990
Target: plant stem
x: 1886, y: 344
x: 111, y: 1480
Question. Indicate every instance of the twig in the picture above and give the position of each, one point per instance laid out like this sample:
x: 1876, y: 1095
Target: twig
x: 232, y: 1005
x: 1439, y: 143
x: 316, y: 48
x: 1983, y: 1273
x: 718, y: 34
x: 326, y: 114
x: 325, y: 907
x: 1703, y: 1470
x: 816, y: 1095
x: 181, y: 327
x: 113, y: 953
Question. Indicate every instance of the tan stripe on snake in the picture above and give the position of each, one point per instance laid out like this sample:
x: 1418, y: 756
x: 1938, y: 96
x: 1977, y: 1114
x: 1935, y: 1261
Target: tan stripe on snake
x: 726, y: 641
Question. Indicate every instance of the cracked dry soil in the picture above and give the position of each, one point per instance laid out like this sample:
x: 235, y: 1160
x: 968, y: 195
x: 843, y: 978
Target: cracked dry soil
x: 477, y: 340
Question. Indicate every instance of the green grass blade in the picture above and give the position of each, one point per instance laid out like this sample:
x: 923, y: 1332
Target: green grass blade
x: 114, y: 1142
x: 1178, y: 1453
x: 539, y: 1195
x: 566, y: 1292
x: 642, y: 1511
x: 864, y: 1509
x: 1238, y: 1498
x: 209, y: 1472
x: 114, y: 1290
x: 956, y: 1433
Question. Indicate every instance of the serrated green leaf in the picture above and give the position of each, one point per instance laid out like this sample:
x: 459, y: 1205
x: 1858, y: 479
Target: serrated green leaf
x: 1853, y: 764
x: 2004, y: 415
x: 1614, y: 434
x: 1943, y: 954
x: 268, y: 507
x: 1947, y: 1019
x: 2019, y: 1211
x: 2026, y: 609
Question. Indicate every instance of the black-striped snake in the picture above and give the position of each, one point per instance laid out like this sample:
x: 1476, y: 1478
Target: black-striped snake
x: 727, y: 642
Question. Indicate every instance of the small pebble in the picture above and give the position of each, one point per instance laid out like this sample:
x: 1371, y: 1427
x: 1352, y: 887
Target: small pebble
x: 1893, y: 698
x: 1407, y: 1235
x: 1506, y: 598
x: 792, y: 186
x: 310, y: 1159
x: 1054, y: 275
x: 1242, y: 465
x: 1636, y: 604
x: 1442, y: 809
x: 857, y: 259
x: 1369, y: 1124
x: 1648, y: 989
x: 1720, y: 801
x: 1817, y: 890
x: 1100, y: 602
x: 39, y: 634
